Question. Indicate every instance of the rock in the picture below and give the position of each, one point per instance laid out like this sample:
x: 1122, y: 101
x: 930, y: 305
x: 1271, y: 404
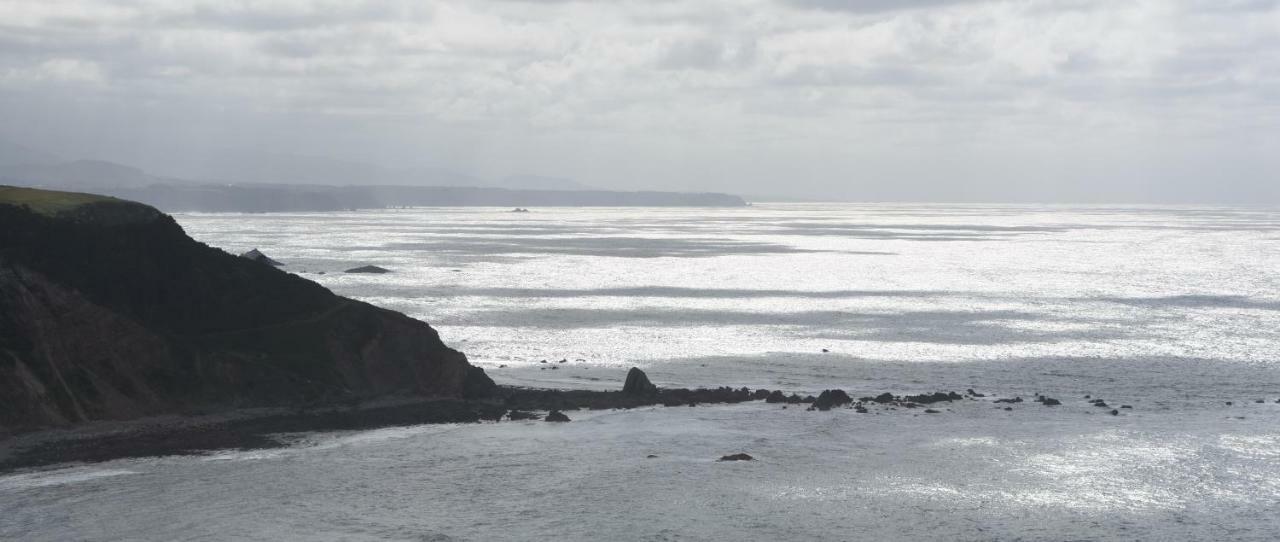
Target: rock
x: 1100, y: 403
x: 638, y: 383
x: 775, y: 397
x: 931, y: 411
x: 737, y: 457
x: 860, y: 409
x: 1260, y: 401
x: 824, y: 351
x: 883, y: 398
x: 1228, y: 403
x: 1008, y: 408
x: 1014, y: 400
x: 650, y: 456
x: 930, y: 398
x: 556, y: 416
x: 518, y: 415
x: 519, y: 210
x: 1126, y: 406
x: 259, y: 257
x: 1049, y: 401
x: 761, y: 394
x: 975, y: 394
x: 832, y: 398
x: 1115, y: 412
x: 368, y: 269
x: 794, y: 399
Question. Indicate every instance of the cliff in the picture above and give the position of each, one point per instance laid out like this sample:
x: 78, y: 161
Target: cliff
x: 109, y: 311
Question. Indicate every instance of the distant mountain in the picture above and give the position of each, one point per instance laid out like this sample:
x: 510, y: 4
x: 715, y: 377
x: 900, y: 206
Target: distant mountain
x: 12, y: 154
x: 538, y: 182
x: 176, y: 195
x: 78, y: 174
x: 247, y: 166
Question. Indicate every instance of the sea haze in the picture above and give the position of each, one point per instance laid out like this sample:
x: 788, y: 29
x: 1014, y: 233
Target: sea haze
x: 1174, y: 311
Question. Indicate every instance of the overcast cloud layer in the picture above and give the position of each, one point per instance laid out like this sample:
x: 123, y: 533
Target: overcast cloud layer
x: 1069, y: 100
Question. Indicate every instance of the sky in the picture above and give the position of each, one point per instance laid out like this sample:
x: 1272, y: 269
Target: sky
x: 865, y: 100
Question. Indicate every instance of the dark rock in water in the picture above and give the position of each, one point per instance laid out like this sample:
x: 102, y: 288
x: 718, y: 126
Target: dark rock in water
x: 1115, y: 412
x: 883, y: 398
x: 794, y: 399
x: 1100, y: 403
x: 556, y: 416
x: 775, y: 397
x: 368, y: 269
x: 860, y: 409
x: 638, y: 383
x: 650, y: 456
x: 1008, y: 408
x: 1260, y: 401
x: 1014, y: 400
x: 1229, y: 403
x: 832, y: 398
x: 808, y: 399
x: 518, y: 415
x: 824, y: 351
x: 761, y: 394
x: 931, y: 398
x: 259, y: 257
x: 1049, y: 401
x: 519, y: 210
x: 737, y: 457
x: 975, y: 394
x: 1126, y: 406
x: 931, y: 411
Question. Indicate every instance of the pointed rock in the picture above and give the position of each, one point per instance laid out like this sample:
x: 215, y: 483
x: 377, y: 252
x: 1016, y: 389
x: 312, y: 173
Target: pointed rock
x: 638, y: 383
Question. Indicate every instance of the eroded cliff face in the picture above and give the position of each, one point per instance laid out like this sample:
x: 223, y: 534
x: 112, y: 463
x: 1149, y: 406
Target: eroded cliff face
x: 109, y: 311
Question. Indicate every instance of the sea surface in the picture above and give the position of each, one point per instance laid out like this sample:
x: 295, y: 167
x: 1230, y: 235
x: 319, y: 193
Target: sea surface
x: 1174, y: 311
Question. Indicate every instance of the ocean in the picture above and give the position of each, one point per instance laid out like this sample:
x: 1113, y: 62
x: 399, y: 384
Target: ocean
x: 1174, y: 311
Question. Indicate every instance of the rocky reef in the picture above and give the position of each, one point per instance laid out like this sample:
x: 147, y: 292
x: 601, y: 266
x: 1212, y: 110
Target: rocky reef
x: 108, y: 310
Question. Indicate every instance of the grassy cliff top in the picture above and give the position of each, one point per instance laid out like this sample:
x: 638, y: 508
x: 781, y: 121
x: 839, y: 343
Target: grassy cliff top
x: 53, y: 203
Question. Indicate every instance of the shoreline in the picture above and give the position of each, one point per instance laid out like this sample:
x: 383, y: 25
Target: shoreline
x: 261, y: 428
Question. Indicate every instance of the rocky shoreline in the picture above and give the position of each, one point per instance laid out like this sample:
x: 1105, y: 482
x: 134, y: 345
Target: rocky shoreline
x: 250, y: 430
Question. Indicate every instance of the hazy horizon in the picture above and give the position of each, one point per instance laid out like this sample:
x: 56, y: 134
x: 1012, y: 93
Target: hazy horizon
x: 921, y: 100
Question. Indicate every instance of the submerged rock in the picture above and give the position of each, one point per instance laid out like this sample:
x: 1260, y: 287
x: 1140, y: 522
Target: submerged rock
x: 737, y: 457
x: 518, y: 415
x: 637, y: 383
x: 556, y: 416
x: 368, y: 269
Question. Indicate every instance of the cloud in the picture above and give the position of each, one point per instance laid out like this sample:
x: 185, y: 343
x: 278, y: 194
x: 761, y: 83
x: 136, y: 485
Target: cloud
x: 813, y: 96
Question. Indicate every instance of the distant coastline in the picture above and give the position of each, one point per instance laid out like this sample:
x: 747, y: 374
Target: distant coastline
x: 171, y: 194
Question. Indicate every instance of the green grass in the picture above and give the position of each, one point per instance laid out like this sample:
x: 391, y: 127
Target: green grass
x: 48, y: 202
